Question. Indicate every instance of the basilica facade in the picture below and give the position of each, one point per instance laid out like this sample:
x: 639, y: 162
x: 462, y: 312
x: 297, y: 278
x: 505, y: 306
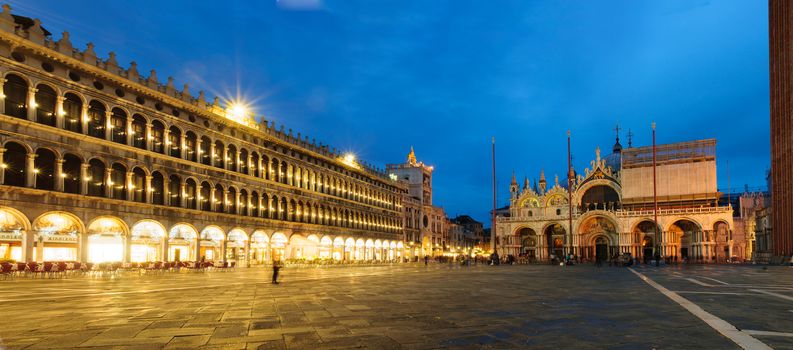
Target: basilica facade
x: 99, y: 163
x: 612, y: 209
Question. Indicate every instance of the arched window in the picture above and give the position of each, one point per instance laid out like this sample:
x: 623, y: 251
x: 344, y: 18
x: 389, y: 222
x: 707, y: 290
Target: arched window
x: 138, y: 132
x: 220, y: 154
x: 14, y: 161
x: 219, y: 202
x: 190, y: 194
x: 190, y: 146
x: 71, y: 173
x: 282, y: 175
x: 205, y: 197
x: 158, y: 137
x: 157, y: 188
x: 175, y: 142
x: 232, y: 201
x: 139, y: 185
x: 243, y: 203
x: 175, y: 190
x: 255, y: 210
x: 72, y: 113
x: 96, y: 119
x: 283, y: 210
x: 44, y: 168
x: 231, y: 158
x: 118, y: 125
x: 15, y: 90
x: 206, y: 147
x: 243, y: 163
x: 45, y: 105
x: 118, y: 178
x: 96, y: 178
x: 274, y: 210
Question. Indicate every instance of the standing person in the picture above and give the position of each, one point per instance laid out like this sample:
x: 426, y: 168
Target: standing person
x: 276, y: 267
x: 426, y: 260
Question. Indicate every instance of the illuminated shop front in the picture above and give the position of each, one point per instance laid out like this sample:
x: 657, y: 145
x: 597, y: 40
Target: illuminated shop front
x: 105, y: 241
x: 57, y: 237
x: 325, y: 247
x: 12, y: 229
x: 147, y: 241
x: 211, y: 243
x: 338, y: 248
x: 182, y: 242
x: 278, y: 246
x: 260, y: 248
x: 235, y: 246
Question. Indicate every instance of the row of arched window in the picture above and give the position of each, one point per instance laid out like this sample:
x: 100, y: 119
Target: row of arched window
x: 114, y: 124
x: 44, y: 169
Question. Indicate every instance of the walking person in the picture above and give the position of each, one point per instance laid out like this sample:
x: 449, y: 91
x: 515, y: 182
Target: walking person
x: 426, y: 260
x: 276, y: 268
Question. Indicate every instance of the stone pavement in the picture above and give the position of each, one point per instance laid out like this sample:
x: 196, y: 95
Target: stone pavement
x: 400, y: 306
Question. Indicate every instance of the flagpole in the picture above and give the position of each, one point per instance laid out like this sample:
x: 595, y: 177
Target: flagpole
x: 493, y: 215
x: 655, y: 205
x: 570, y: 175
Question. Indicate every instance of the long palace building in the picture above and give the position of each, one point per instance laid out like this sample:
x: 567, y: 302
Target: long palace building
x: 612, y: 204
x: 101, y: 164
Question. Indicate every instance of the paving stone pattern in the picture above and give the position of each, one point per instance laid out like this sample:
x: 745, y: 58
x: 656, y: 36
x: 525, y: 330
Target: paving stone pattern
x: 388, y: 307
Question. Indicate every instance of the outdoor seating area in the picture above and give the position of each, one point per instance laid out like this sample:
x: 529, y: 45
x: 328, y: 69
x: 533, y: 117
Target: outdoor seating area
x: 63, y: 269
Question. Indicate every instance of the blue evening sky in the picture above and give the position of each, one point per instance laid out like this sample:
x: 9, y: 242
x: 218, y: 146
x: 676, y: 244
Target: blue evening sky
x: 375, y: 77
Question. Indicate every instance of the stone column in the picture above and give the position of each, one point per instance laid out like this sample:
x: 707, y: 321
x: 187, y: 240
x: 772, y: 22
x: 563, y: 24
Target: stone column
x: 2, y: 100
x: 166, y: 191
x: 212, y: 153
x: 182, y: 196
x: 183, y: 146
x: 147, y: 138
x: 30, y: 167
x: 164, y: 253
x: 212, y: 199
x: 166, y: 142
x: 40, y: 250
x: 248, y: 252
x: 2, y: 164
x: 260, y: 206
x: 127, y: 249
x: 32, y: 106
x: 108, y: 182
x: 128, y: 133
x: 108, y: 125
x: 84, y: 119
x: 59, y: 120
x: 82, y: 256
x: 197, y: 251
x: 148, y: 191
x: 223, y: 251
x: 130, y: 185
x: 84, y: 178
x: 225, y: 200
x: 238, y: 205
x: 59, y: 175
x: 28, y: 238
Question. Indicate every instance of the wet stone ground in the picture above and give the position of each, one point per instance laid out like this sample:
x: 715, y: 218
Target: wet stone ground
x: 401, y: 306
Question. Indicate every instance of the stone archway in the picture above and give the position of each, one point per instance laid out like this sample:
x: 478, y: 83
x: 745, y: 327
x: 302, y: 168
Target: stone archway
x: 685, y: 240
x: 555, y: 239
x: 528, y: 243
x: 595, y: 227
